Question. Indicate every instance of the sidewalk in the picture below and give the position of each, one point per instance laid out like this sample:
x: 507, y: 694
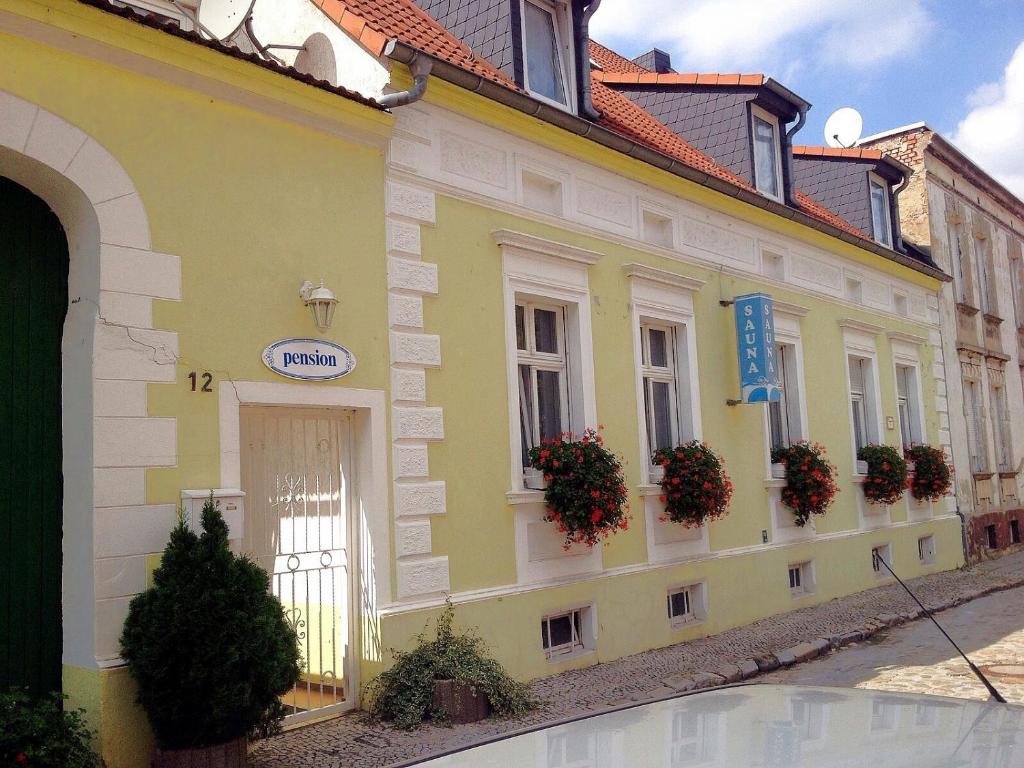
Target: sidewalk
x: 733, y: 655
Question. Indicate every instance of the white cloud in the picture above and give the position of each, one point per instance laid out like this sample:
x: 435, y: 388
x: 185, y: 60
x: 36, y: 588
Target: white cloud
x: 741, y: 35
x: 992, y: 133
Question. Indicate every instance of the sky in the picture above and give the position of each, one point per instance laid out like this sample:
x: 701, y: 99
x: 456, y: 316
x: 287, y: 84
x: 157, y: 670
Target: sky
x: 957, y: 65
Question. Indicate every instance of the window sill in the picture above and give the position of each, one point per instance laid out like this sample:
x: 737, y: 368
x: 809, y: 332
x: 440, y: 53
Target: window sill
x: 801, y: 594
x: 1007, y: 473
x: 560, y: 657
x: 967, y: 309
x: 681, y: 624
x: 525, y: 497
x: 993, y: 319
x: 647, y: 489
x: 774, y: 482
x: 982, y: 475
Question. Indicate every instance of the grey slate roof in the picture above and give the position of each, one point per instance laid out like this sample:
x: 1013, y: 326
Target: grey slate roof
x: 841, y: 185
x: 483, y: 25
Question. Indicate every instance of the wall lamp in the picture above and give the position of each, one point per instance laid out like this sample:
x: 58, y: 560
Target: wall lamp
x: 321, y: 302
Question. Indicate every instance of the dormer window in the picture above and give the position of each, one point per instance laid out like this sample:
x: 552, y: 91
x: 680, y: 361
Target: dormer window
x: 767, y: 157
x: 881, y: 223
x: 546, y: 56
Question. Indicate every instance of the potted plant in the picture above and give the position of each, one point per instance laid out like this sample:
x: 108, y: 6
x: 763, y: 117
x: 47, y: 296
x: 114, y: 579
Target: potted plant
x: 810, y: 479
x: 694, y: 484
x: 41, y: 733
x: 447, y: 679
x: 585, y: 493
x: 210, y: 650
x: 886, y: 477
x: 931, y: 478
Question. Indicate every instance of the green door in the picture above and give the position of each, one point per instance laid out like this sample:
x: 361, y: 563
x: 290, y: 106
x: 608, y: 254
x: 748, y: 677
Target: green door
x: 33, y: 302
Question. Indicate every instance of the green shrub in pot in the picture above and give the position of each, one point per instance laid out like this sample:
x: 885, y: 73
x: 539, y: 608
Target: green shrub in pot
x: 208, y: 644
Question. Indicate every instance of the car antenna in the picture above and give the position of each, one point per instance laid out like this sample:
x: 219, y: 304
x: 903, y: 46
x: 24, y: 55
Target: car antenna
x: 877, y: 558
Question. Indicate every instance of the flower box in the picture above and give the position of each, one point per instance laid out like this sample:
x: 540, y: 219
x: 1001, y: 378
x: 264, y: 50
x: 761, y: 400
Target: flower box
x: 911, y: 466
x: 656, y: 474
x: 862, y: 467
x: 534, y: 479
x: 779, y: 471
x: 461, y: 703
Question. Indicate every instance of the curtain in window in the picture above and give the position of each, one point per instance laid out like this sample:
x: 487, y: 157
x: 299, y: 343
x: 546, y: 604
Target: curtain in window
x: 766, y: 176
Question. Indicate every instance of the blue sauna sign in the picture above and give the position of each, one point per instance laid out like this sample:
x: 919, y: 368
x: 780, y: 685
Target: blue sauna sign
x: 755, y: 339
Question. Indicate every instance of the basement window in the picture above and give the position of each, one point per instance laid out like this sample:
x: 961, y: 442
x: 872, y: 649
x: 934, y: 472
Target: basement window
x: 926, y: 550
x: 1015, y: 532
x: 686, y: 604
x: 880, y: 557
x: 566, y: 634
x: 991, y: 539
x: 801, y: 579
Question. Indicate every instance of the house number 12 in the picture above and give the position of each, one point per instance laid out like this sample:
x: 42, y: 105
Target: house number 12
x: 201, y: 382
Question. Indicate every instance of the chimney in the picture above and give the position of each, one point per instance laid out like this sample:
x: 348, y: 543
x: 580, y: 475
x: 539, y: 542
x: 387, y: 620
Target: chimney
x: 655, y: 60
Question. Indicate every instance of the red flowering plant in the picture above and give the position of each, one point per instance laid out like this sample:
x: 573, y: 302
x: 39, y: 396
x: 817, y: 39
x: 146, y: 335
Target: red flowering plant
x: 810, y: 479
x: 931, y: 478
x: 586, y: 493
x: 696, y: 488
x: 887, y: 474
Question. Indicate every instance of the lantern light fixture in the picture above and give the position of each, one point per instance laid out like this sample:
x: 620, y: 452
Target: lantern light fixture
x: 321, y: 302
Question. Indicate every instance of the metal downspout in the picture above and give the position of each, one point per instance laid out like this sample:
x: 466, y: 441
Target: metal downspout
x: 893, y: 214
x: 420, y: 67
x: 963, y: 534
x: 583, y: 48
x: 788, y: 149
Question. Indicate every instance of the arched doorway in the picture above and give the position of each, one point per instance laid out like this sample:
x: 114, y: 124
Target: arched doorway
x: 33, y: 303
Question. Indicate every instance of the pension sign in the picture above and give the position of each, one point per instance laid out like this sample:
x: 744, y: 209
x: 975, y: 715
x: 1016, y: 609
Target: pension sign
x: 309, y: 359
x: 755, y: 340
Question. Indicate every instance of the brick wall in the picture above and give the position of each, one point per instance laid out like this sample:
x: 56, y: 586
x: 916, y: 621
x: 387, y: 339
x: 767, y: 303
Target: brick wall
x: 909, y: 148
x: 978, y: 533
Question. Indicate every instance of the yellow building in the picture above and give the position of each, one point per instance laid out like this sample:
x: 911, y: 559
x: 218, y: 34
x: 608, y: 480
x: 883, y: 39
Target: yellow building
x: 196, y: 187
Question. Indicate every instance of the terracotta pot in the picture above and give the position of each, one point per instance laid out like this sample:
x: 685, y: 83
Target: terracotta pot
x: 233, y: 754
x: 462, y: 703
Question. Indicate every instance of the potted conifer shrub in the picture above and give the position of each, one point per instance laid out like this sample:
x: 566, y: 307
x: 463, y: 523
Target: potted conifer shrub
x: 210, y: 649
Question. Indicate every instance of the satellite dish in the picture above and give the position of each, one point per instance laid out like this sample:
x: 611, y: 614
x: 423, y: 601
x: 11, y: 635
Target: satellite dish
x: 223, y: 18
x: 842, y: 129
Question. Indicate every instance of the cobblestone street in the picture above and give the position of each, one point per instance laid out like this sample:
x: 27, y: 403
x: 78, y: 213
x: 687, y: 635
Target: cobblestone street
x: 914, y: 657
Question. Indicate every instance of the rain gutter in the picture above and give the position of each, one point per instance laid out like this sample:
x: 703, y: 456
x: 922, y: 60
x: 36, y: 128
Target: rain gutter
x: 404, y: 54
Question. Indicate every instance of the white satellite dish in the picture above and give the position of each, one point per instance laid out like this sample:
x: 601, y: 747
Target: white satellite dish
x: 223, y: 18
x: 843, y: 127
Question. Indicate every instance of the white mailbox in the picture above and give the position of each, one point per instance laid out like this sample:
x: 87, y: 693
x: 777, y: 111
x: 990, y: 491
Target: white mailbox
x: 230, y: 501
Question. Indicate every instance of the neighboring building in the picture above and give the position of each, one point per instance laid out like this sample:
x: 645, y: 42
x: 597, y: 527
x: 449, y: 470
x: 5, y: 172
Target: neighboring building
x: 515, y: 242
x: 974, y: 229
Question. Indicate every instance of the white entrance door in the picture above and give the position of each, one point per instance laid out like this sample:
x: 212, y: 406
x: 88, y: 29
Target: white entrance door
x: 297, y: 475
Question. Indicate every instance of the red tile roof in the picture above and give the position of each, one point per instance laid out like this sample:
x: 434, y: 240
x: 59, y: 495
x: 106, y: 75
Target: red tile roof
x: 679, y: 78
x: 804, y: 150
x: 610, y: 61
x: 374, y: 22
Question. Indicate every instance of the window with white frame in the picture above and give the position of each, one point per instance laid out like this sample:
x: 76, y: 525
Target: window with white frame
x: 981, y: 253
x: 686, y: 604
x: 543, y: 370
x: 784, y: 423
x: 801, y: 579
x: 660, y: 372
x: 545, y: 52
x: 1001, y: 429
x: 767, y: 156
x: 881, y: 222
x: 696, y: 737
x: 883, y: 715
x: 908, y: 405
x: 809, y: 719
x: 571, y: 748
x: 956, y: 261
x: 862, y: 402
x: 563, y: 634
x: 974, y: 411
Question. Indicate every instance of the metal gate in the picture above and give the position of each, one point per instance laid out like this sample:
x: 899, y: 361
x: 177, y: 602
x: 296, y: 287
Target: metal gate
x: 33, y: 302
x: 297, y: 475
